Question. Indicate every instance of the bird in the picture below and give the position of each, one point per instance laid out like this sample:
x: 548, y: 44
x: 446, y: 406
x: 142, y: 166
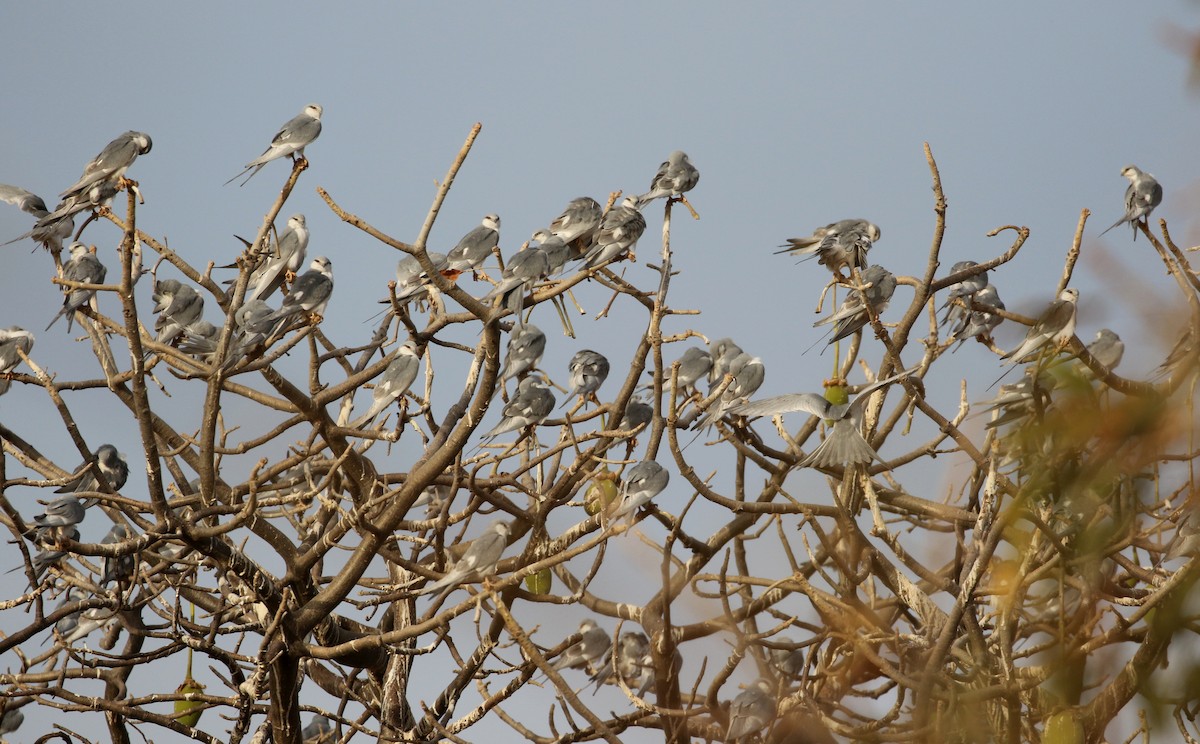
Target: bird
x: 589, y: 651
x: 1143, y: 194
x: 110, y: 165
x: 789, y: 658
x: 1056, y: 323
x: 838, y: 245
x: 308, y: 296
x: 253, y: 322
x: 200, y: 340
x: 318, y: 731
x: 751, y: 710
x: 393, y: 383
x: 49, y: 234
x: 61, y: 511
x: 116, y: 568
x: 1181, y: 357
x: 531, y: 404
x: 523, y: 270
x: 479, y: 562
x: 14, y: 341
x: 1106, y: 348
x: 578, y: 221
x: 83, y: 267
x: 588, y: 370
x: 637, y: 413
x: 291, y: 139
x: 526, y: 345
x: 475, y: 247
x: 554, y: 248
x: 48, y: 556
x: 11, y: 720
x: 979, y: 322
x: 178, y: 307
x: 68, y: 623
x: 675, y: 176
x: 284, y: 260
x: 844, y: 444
x: 617, y: 234
x: 633, y: 663
x: 90, y: 620
x: 962, y: 290
x: 113, y: 467
x: 693, y: 364
x: 748, y: 375
x: 878, y: 286
x: 722, y: 352
x: 639, y: 484
x: 411, y: 279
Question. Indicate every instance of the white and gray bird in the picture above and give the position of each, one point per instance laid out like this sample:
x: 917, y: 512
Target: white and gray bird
x: 113, y: 467
x: 253, y: 321
x: 639, y: 485
x: 308, y: 296
x: 555, y: 249
x: 751, y: 710
x: 395, y: 381
x: 790, y: 660
x: 116, y: 568
x: 412, y: 280
x: 637, y: 413
x: 318, y: 731
x: 48, y: 556
x: 578, y: 221
x: 838, y: 245
x: 844, y: 444
x: 68, y: 623
x: 14, y: 341
x: 110, y: 165
x: 1107, y: 348
x: 479, y: 562
x: 89, y: 621
x: 879, y: 286
x: 748, y: 375
x: 675, y: 176
x: 284, y: 260
x: 979, y: 323
x: 693, y: 365
x: 178, y: 307
x: 83, y: 267
x: 200, y: 340
x: 1055, y: 325
x: 526, y: 345
x: 634, y: 662
x: 722, y: 351
x: 11, y: 721
x: 521, y: 273
x: 531, y: 404
x: 1141, y: 197
x: 291, y: 139
x: 589, y: 651
x: 61, y: 511
x: 587, y: 372
x: 617, y: 234
x: 963, y: 290
x: 475, y: 247
x: 50, y: 233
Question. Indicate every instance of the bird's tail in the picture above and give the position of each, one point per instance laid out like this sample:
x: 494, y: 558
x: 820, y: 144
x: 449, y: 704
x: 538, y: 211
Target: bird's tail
x: 843, y: 446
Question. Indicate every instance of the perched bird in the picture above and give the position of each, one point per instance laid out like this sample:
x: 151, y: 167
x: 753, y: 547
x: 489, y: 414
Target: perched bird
x: 963, y: 290
x: 1181, y: 357
x: 788, y: 660
x: 526, y: 345
x: 253, y: 320
x: 751, y: 710
x: 411, y: 279
x: 640, y: 483
x: 200, y: 339
x: 556, y: 251
x: 1107, y: 348
x: 61, y: 511
x: 1020, y: 399
x: 523, y: 270
x: 83, y: 267
x: 89, y: 621
x: 637, y: 413
x: 531, y: 404
x: 116, y: 568
x: 48, y: 556
x: 110, y: 165
x: 588, y: 371
x: 291, y: 139
x: 748, y: 375
x: 694, y: 364
x: 844, y: 444
x: 395, y: 381
x: 178, y: 307
x: 284, y: 260
x: 477, y: 563
x: 49, y: 234
x: 475, y: 247
x: 12, y: 339
x: 633, y: 661
x: 113, y: 467
x: 318, y: 731
x: 1141, y: 197
x: 1056, y: 324
x: 842, y: 244
x: 578, y: 221
x: 11, y: 720
x: 853, y: 315
x: 675, y: 176
x: 722, y: 351
x: 308, y: 296
x: 66, y: 624
x: 979, y: 323
x: 589, y: 651
x: 617, y: 234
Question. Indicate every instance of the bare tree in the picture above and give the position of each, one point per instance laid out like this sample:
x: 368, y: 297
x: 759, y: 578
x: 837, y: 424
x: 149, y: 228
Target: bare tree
x: 297, y: 559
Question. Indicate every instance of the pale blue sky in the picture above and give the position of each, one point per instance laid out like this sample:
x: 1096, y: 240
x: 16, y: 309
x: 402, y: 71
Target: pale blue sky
x: 796, y: 114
